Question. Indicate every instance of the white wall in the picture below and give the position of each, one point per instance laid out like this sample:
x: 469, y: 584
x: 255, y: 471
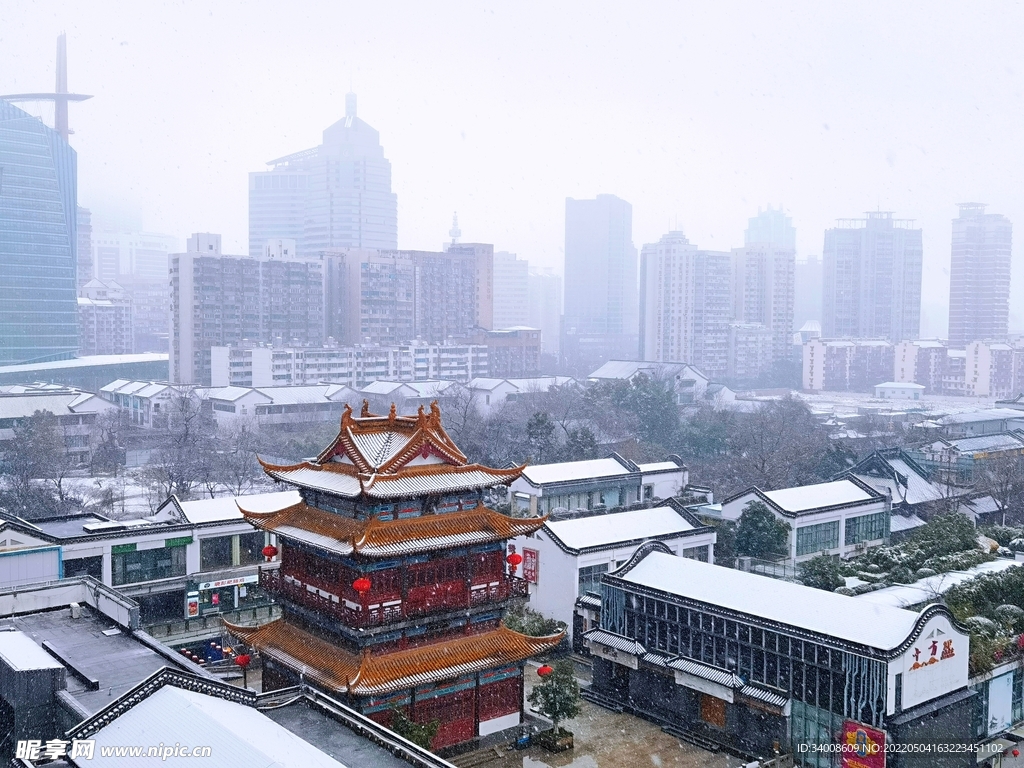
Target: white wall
x: 930, y: 681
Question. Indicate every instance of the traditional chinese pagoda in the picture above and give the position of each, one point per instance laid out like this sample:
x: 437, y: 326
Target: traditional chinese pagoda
x: 394, y: 579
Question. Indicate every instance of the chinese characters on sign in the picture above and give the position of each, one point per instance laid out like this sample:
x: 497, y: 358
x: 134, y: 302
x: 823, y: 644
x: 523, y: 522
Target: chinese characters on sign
x: 34, y: 749
x: 531, y: 565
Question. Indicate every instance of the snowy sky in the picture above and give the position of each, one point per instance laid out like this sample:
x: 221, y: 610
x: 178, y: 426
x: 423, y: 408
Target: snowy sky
x: 696, y: 113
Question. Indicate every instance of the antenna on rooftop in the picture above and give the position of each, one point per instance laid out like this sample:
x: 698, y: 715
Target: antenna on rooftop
x: 455, y: 232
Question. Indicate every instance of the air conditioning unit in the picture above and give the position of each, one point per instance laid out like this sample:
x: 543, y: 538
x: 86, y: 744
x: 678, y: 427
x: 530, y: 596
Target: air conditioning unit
x: 861, y: 546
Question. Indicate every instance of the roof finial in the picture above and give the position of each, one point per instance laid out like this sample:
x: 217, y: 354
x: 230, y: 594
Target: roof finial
x: 346, y: 416
x: 435, y: 413
x: 350, y: 104
x: 393, y: 413
x: 365, y: 413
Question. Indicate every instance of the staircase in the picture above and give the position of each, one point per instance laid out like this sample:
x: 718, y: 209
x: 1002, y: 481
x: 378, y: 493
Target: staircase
x: 602, y: 700
x: 479, y: 757
x: 692, y: 738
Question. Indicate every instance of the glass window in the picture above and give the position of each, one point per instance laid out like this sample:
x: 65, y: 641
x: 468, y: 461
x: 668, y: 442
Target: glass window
x: 817, y: 538
x: 215, y: 553
x: 696, y: 553
x: 84, y: 566
x: 867, y: 528
x: 590, y: 578
x: 147, y: 565
x: 250, y: 548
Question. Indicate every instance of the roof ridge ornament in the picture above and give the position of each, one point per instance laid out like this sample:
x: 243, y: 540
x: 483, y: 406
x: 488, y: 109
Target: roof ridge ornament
x: 393, y: 413
x: 365, y: 413
x: 346, y: 416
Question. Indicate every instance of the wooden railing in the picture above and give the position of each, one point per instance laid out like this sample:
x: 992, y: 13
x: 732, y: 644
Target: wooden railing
x: 373, y: 611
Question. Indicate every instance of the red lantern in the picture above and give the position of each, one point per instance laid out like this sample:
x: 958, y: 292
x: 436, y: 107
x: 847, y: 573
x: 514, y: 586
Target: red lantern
x: 269, y: 551
x: 243, y: 660
x: 544, y: 670
x: 361, y: 585
x: 1015, y: 753
x: 514, y: 560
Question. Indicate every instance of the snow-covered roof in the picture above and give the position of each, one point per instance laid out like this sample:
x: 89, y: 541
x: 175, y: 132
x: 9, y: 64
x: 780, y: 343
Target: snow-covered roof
x: 627, y: 369
x: 602, y: 530
x: 381, y: 387
x: 23, y: 406
x: 806, y: 608
x: 239, y: 736
x: 1002, y: 441
x: 929, y: 589
x: 299, y: 395
x: 20, y: 652
x: 568, y: 471
x: 899, y: 523
x: 819, y: 495
x: 484, y: 382
x: 917, y: 490
x: 659, y: 466
x: 226, y: 507
x: 229, y: 393
x: 899, y: 385
x: 989, y: 414
x: 87, y: 362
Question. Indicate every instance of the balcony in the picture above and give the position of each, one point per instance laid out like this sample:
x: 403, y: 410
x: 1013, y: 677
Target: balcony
x: 375, y: 611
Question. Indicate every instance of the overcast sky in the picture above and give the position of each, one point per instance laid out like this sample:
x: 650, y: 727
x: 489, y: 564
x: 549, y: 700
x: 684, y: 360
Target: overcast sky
x: 696, y: 113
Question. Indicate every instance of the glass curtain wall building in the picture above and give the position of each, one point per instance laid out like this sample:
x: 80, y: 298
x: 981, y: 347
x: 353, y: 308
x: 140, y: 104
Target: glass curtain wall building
x: 38, y: 238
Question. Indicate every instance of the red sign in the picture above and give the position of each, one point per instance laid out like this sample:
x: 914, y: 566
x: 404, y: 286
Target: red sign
x: 862, y: 745
x: 531, y: 565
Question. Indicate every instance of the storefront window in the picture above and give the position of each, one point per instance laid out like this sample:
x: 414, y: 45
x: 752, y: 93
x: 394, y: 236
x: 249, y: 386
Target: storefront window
x: 147, y: 565
x: 250, y: 548
x: 215, y: 553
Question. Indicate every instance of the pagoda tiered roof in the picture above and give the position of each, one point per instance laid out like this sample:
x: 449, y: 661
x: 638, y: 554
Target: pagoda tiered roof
x: 372, y: 674
x: 386, y: 538
x: 390, y: 457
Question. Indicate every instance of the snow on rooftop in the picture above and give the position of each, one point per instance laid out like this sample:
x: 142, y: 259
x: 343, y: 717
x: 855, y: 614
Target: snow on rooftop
x: 846, y: 618
x: 929, y: 589
x: 818, y: 495
x: 226, y: 508
x: 567, y: 471
x: 988, y: 414
x: 659, y: 466
x: 601, y: 530
x: 20, y: 653
x: 87, y: 362
x: 239, y: 736
x: 899, y: 385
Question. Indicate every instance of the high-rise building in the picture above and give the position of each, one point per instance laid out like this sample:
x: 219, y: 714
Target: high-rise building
x: 218, y: 300
x: 763, y: 278
x: 511, y: 291
x: 105, y: 319
x: 545, y: 308
x: 123, y: 251
x: 335, y: 195
x: 807, y: 278
x: 979, y: 276
x: 83, y: 253
x: 872, y: 279
x: 392, y: 297
x: 686, y: 304
x: 921, y: 362
x: 38, y: 240
x: 600, y: 282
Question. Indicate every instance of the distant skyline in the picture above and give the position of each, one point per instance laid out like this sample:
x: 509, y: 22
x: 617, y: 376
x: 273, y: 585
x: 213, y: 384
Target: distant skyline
x: 500, y: 112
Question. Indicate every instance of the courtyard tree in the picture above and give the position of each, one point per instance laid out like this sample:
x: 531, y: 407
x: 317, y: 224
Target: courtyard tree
x: 760, y: 533
x: 822, y: 572
x: 558, y: 697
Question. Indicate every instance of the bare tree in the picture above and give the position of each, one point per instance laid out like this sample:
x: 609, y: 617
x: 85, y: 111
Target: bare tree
x: 180, y: 463
x: 1003, y: 479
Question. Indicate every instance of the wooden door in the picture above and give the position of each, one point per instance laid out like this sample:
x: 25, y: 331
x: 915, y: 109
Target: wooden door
x: 712, y: 710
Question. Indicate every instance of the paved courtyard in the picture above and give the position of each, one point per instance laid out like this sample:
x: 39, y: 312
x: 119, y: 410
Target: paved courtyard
x: 604, y: 739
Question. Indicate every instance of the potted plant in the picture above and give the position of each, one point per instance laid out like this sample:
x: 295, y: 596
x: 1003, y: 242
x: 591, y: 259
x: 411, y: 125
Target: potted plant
x: 558, y: 699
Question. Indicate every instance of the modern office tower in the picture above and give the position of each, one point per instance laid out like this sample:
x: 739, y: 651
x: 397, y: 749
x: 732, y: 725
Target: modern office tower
x: 600, y: 283
x: 545, y: 308
x: 105, y: 319
x: 871, y: 282
x: 686, y: 300
x: 511, y: 291
x: 121, y: 251
x: 979, y: 276
x: 218, y: 300
x: 336, y: 195
x: 807, y: 277
x: 38, y: 240
x: 83, y: 253
x: 763, y: 278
